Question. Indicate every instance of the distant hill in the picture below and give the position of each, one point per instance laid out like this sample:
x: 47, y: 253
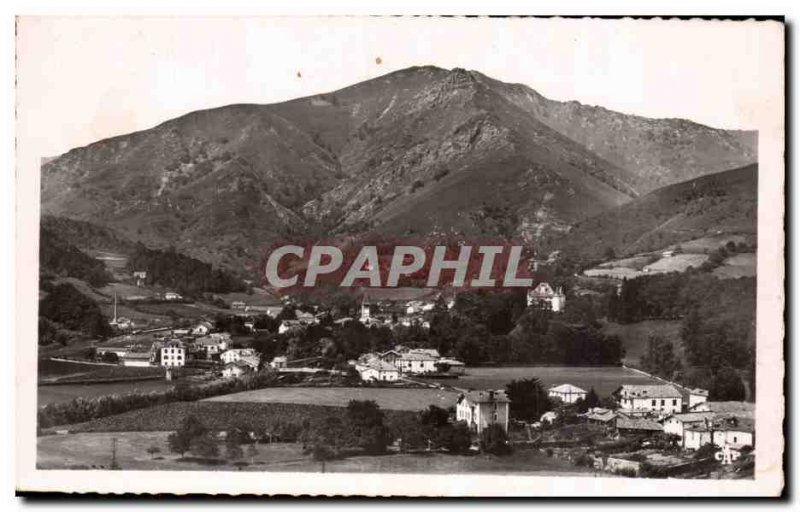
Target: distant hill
x: 86, y: 235
x: 59, y: 258
x: 719, y: 203
x: 417, y: 151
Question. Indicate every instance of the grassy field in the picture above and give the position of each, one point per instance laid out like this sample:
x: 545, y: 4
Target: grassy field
x: 50, y: 368
x: 613, y: 273
x: 634, y: 336
x: 387, y: 398
x: 604, y: 379
x: 677, y: 263
x: 740, y: 265
x: 711, y: 243
x: 217, y: 416
x: 114, y: 372
x: 65, y: 393
x: 93, y: 451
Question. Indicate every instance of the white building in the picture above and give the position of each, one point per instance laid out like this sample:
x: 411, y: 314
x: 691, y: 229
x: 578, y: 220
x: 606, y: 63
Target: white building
x: 202, y: 328
x: 419, y: 360
x: 213, y: 344
x: 544, y: 295
x: 173, y: 354
x: 697, y: 396
x: 677, y: 423
x: 416, y: 361
x: 139, y: 276
x: 136, y: 359
x: 237, y: 369
x: 479, y: 409
x: 732, y: 431
x: 567, y: 393
x: 660, y: 398
x: 278, y: 362
x: 172, y: 296
x: 235, y: 354
x: 377, y: 370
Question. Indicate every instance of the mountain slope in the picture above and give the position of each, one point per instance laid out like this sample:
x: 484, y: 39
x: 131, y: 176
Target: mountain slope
x: 724, y: 202
x: 658, y: 152
x: 419, y: 150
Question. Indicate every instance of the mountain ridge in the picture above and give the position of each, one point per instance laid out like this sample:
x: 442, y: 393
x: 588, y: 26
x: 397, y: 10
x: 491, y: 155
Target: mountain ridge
x: 417, y: 150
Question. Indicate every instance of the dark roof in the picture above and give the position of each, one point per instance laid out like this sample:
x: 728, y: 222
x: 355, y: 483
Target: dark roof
x: 638, y: 424
x: 650, y: 391
x: 480, y: 397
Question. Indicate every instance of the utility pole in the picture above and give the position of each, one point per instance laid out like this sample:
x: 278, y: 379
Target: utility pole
x: 114, y: 464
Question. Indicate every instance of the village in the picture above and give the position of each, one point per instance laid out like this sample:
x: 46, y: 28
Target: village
x: 655, y: 429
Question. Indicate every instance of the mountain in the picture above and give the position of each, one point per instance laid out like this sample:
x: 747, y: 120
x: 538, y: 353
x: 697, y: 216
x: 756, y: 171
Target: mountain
x: 417, y: 151
x: 725, y: 202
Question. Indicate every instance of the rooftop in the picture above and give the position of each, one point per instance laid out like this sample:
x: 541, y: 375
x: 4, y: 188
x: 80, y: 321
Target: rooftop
x: 738, y: 408
x: 637, y: 424
x: 691, y: 417
x: 481, y: 397
x: 649, y: 391
x: 567, y: 389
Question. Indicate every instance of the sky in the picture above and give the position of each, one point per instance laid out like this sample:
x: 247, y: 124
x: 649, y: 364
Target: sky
x: 84, y: 79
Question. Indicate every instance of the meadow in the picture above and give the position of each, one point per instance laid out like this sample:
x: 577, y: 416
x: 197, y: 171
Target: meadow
x: 93, y: 451
x: 256, y: 416
x: 397, y: 399
x: 65, y: 393
x: 604, y: 379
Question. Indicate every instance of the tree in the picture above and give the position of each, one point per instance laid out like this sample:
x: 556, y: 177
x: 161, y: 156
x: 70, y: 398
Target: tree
x: 365, y: 423
x: 660, y: 357
x: 252, y: 451
x: 528, y: 398
x: 233, y: 450
x: 205, y: 446
x: 494, y: 440
x: 70, y: 308
x: 591, y: 401
x: 455, y: 438
x: 434, y: 417
x: 153, y: 450
x: 322, y: 453
x: 706, y: 451
x: 180, y: 441
x: 727, y: 385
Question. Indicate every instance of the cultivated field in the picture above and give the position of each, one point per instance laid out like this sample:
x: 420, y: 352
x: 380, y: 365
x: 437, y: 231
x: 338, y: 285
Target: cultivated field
x: 676, y: 263
x: 740, y: 265
x: 387, y: 398
x: 635, y: 262
x: 710, y: 243
x: 630, y: 268
x: 219, y: 416
x: 613, y: 273
x: 93, y: 451
x: 604, y: 379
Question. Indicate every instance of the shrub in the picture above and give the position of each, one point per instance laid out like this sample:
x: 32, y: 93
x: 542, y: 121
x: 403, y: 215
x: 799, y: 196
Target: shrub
x: 205, y: 446
x: 441, y: 173
x: 494, y: 440
x: 584, y: 460
x: 628, y: 472
x: 454, y: 438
